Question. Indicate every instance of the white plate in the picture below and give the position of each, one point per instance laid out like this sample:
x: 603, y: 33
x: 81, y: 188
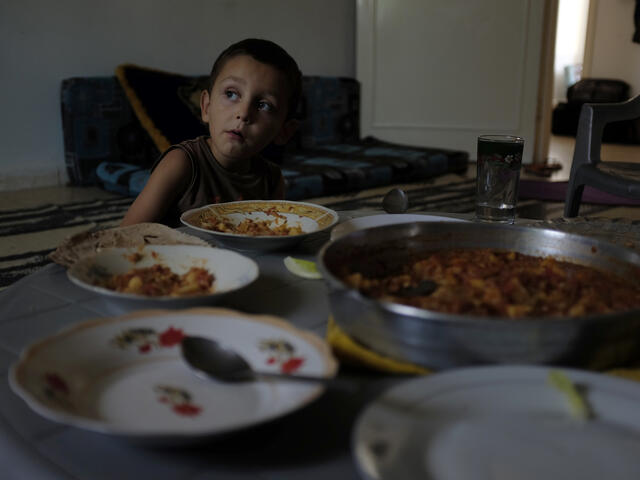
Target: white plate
x: 125, y: 376
x: 310, y: 217
x: 360, y: 223
x: 499, y: 423
x: 232, y: 271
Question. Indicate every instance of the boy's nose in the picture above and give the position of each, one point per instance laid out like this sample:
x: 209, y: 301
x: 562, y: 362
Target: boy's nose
x: 243, y: 113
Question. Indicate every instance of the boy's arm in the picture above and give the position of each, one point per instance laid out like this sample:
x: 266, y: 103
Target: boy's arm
x: 167, y: 182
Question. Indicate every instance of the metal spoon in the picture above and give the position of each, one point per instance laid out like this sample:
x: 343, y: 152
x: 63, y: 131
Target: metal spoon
x: 207, y: 356
x: 423, y: 288
x: 395, y: 201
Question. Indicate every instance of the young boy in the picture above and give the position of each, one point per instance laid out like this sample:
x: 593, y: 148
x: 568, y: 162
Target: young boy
x: 250, y: 102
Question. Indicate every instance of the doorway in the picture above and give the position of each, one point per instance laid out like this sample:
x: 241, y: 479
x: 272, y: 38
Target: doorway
x: 566, y: 50
x: 571, y: 59
x: 571, y: 34
x: 568, y: 67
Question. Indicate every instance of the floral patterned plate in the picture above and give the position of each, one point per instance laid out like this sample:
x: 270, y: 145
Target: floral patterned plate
x: 125, y: 375
x: 231, y: 270
x: 309, y: 217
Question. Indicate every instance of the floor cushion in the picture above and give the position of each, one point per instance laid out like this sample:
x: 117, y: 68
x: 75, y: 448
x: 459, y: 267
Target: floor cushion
x: 326, y: 157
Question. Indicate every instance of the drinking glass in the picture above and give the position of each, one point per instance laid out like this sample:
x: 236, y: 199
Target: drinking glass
x: 498, y: 176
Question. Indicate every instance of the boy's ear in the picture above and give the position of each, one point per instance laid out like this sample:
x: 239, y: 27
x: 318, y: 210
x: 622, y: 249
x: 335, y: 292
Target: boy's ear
x: 205, y: 101
x: 286, y: 132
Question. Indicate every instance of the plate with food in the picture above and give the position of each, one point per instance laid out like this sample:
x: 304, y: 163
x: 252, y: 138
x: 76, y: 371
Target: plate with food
x: 260, y: 224
x: 164, y: 274
x: 369, y: 221
x: 125, y: 376
x: 448, y: 294
x: 525, y: 422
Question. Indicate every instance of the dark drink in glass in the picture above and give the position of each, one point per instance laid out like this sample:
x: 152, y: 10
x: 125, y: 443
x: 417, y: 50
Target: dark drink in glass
x: 498, y: 175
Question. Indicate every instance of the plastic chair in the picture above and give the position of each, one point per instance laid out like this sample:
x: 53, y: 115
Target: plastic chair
x: 617, y: 178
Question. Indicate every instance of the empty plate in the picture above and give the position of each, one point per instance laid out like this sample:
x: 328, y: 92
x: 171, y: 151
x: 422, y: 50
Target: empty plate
x: 502, y: 422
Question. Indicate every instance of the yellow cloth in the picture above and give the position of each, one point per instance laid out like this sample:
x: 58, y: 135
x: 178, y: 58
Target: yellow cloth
x: 352, y: 352
x: 348, y: 350
x: 628, y: 373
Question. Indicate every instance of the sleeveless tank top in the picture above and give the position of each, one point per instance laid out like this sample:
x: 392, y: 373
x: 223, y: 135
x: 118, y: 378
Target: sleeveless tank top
x: 212, y: 183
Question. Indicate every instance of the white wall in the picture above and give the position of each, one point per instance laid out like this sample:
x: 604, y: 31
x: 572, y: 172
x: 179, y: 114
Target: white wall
x: 42, y: 42
x: 614, y: 54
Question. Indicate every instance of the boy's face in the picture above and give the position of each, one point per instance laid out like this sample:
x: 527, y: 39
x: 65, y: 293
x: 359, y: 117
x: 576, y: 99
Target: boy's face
x: 246, y: 110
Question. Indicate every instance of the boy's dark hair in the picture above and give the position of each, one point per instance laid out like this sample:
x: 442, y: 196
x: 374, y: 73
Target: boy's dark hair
x: 267, y: 52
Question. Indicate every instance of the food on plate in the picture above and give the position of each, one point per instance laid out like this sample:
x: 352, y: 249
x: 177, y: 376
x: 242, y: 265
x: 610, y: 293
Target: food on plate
x: 135, y: 257
x: 491, y: 282
x: 276, y: 227
x: 159, y: 280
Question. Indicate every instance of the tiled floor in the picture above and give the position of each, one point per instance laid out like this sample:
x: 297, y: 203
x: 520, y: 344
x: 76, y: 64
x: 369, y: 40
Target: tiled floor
x: 561, y: 151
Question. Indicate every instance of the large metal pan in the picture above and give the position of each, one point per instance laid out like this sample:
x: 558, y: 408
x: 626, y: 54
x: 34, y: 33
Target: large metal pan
x: 439, y: 340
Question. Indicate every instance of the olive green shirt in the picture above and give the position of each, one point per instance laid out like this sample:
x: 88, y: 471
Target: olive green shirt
x: 212, y: 183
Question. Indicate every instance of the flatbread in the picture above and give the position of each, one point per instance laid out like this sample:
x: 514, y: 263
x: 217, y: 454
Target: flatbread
x: 85, y: 244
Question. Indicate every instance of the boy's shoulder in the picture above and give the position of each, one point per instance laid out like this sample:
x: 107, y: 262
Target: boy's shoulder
x: 192, y: 147
x: 199, y: 141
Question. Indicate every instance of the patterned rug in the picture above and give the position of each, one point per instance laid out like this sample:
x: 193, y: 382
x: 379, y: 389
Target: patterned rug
x: 27, y: 236
x: 456, y: 194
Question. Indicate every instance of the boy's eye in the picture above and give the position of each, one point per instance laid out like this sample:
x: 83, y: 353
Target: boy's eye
x: 266, y: 106
x: 231, y: 95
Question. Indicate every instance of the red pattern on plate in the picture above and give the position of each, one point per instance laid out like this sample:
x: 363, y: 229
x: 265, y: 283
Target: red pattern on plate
x: 187, y: 409
x: 170, y: 337
x: 147, y: 339
x: 291, y: 365
x: 56, y: 383
x: 178, y: 399
x: 281, y: 353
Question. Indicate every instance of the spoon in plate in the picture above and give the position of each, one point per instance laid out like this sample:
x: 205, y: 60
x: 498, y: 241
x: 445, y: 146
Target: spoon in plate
x: 208, y: 357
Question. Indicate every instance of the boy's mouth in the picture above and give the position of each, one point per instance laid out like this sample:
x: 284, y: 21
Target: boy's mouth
x: 236, y: 134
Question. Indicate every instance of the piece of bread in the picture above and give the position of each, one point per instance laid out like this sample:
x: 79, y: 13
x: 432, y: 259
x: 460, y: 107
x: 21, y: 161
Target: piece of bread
x: 88, y: 243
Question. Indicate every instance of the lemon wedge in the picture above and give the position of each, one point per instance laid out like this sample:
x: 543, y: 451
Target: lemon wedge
x: 578, y: 405
x: 302, y: 268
